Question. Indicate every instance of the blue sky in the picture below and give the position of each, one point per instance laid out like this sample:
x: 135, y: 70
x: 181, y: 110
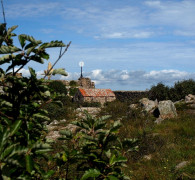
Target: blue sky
x: 125, y: 44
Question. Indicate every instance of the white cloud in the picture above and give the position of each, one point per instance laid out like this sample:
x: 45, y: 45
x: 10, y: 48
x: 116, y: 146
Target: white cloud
x: 24, y: 9
x: 126, y: 80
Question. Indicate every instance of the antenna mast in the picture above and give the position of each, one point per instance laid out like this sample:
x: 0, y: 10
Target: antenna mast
x: 3, y: 11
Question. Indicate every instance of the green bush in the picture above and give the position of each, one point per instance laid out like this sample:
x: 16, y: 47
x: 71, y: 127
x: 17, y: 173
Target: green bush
x: 91, y: 104
x: 73, y: 83
x: 159, y: 92
x: 116, y: 109
x: 94, y: 151
x: 175, y: 93
x: 72, y: 91
x: 183, y: 88
x: 58, y: 87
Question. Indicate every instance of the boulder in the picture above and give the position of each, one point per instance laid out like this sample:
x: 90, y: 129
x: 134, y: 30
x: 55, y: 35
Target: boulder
x: 148, y: 105
x: 133, y: 106
x: 167, y: 109
x: 182, y: 165
x: 190, y: 99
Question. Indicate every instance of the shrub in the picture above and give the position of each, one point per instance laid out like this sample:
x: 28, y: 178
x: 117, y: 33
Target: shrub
x: 159, y: 92
x: 116, y: 109
x: 58, y: 87
x: 72, y: 91
x: 183, y: 88
x: 73, y: 83
x: 94, y: 151
x: 91, y: 104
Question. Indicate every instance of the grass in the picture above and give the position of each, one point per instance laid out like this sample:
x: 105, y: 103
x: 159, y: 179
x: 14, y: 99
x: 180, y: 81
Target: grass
x: 168, y: 144
x: 161, y: 147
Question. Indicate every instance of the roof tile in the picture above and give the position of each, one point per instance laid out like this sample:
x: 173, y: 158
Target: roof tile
x: 96, y: 92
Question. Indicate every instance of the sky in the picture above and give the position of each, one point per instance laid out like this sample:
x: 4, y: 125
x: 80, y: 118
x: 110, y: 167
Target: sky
x: 124, y: 44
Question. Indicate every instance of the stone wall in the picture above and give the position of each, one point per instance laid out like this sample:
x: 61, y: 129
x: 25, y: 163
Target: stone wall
x: 132, y: 96
x: 86, y: 83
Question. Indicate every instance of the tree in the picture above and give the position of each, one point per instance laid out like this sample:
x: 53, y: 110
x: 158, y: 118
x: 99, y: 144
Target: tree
x: 21, y: 106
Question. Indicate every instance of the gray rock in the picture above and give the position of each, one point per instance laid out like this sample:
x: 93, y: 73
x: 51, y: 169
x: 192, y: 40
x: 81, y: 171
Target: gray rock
x: 167, y: 109
x: 148, y: 105
x: 159, y: 120
x: 182, y: 165
x: 190, y: 98
x: 147, y: 157
x: 133, y: 106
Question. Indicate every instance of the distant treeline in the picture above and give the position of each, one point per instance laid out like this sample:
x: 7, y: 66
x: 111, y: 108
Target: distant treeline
x: 160, y: 92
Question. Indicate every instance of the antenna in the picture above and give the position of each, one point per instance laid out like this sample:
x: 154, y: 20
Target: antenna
x: 81, y: 64
x: 3, y: 11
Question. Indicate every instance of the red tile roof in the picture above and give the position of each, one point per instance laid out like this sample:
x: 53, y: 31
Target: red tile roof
x: 96, y: 92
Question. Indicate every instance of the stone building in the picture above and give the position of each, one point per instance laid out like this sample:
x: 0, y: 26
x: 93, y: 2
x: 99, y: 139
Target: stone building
x: 86, y: 83
x: 82, y: 82
x: 94, y: 95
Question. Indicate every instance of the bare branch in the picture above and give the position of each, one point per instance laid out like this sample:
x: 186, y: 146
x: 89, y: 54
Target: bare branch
x: 60, y: 56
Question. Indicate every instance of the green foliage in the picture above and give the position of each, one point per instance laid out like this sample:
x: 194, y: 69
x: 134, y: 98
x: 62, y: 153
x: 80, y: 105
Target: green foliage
x: 73, y: 83
x: 72, y: 91
x: 91, y: 104
x: 159, y: 92
x: 94, y: 151
x: 22, y: 120
x: 57, y: 87
x: 182, y: 88
x: 175, y: 93
x: 116, y: 109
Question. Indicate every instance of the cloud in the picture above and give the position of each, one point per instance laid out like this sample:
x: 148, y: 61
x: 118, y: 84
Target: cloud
x: 112, y: 20
x: 124, y: 79
x: 37, y: 9
x: 133, y: 80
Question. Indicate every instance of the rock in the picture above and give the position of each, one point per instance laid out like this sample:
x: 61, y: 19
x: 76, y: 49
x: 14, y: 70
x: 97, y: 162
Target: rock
x: 182, y: 165
x: 167, y: 109
x: 190, y: 99
x: 93, y: 111
x: 158, y: 120
x: 73, y: 128
x: 133, y: 106
x: 148, y: 157
x: 148, y: 105
x: 191, y: 106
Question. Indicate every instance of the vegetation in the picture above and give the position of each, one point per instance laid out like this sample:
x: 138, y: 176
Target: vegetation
x: 175, y: 93
x: 57, y: 87
x: 22, y: 117
x: 102, y: 147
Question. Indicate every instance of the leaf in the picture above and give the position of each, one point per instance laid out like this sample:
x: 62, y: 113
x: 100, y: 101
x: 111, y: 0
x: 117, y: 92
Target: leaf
x: 22, y: 40
x: 11, y: 29
x: 116, y: 126
x: 29, y: 163
x: 15, y: 127
x: 108, y: 153
x: 114, y: 159
x: 91, y: 173
x: 40, y: 116
x: 36, y: 59
x: 32, y: 72
x: 6, y: 58
x: 29, y: 50
x: 9, y: 49
x: 52, y: 44
x: 60, y: 71
x: 67, y: 133
x: 44, y: 55
x: 30, y: 39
